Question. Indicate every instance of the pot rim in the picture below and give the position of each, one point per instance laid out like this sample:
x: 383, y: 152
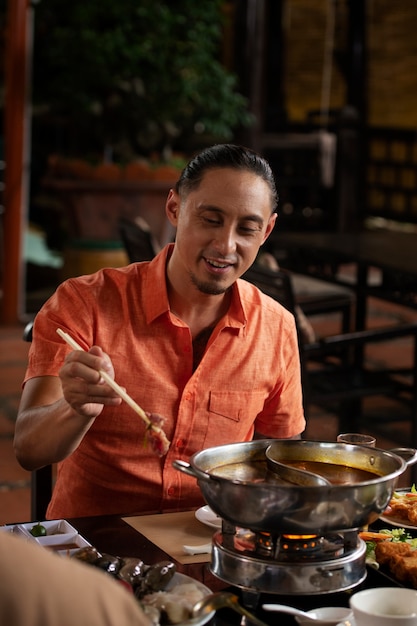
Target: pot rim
x: 259, y: 445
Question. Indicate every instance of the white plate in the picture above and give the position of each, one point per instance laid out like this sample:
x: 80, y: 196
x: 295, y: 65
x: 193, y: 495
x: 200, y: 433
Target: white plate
x: 396, y: 521
x: 208, y: 517
x: 181, y: 579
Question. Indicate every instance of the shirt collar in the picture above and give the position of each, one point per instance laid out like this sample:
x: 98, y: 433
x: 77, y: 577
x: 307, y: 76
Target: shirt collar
x: 156, y: 296
x: 155, y: 287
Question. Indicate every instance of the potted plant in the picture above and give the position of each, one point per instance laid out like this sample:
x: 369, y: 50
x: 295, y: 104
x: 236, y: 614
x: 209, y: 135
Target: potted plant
x: 124, y: 91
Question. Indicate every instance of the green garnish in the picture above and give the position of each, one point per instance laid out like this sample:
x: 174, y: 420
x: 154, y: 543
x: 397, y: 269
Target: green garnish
x: 38, y: 530
x: 397, y: 494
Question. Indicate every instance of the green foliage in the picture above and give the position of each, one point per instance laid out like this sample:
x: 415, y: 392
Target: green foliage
x: 134, y: 76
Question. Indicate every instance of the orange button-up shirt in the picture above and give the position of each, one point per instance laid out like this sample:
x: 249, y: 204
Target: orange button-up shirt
x: 247, y: 379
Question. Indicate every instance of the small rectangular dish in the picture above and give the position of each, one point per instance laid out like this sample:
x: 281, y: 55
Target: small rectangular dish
x: 67, y: 543
x: 57, y: 535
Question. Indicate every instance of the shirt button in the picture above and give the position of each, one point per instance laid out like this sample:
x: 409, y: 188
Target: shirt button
x: 187, y: 396
x: 180, y: 443
x: 171, y: 491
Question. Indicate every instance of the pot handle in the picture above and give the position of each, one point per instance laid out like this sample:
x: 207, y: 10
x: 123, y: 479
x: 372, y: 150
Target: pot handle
x: 186, y: 468
x: 408, y: 454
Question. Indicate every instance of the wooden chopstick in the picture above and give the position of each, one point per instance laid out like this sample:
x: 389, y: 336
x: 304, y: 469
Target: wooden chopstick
x: 112, y: 383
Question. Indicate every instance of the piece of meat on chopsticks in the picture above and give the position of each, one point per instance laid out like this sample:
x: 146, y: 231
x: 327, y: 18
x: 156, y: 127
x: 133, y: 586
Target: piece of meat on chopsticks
x: 155, y: 436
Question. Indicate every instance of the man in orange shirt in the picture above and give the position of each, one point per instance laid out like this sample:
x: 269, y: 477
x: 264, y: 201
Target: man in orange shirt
x: 185, y: 336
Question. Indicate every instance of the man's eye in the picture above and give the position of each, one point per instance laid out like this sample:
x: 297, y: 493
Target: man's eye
x: 250, y: 229
x: 212, y: 220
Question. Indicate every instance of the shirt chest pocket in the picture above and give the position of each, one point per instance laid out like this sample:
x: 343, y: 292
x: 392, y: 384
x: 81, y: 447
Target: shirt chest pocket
x: 231, y: 415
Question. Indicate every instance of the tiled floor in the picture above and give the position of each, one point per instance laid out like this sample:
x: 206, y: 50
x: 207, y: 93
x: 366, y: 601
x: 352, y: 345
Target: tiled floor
x: 15, y: 482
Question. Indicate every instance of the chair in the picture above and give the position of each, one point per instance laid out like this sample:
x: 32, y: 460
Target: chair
x: 137, y: 238
x: 334, y: 374
x: 317, y: 297
x: 41, y: 483
x: 313, y: 296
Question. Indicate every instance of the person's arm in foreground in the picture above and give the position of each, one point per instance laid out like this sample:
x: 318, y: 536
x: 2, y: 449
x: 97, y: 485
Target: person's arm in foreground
x: 56, y: 412
x: 40, y: 588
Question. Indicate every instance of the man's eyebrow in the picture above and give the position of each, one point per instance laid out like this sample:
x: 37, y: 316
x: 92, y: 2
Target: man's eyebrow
x: 254, y: 218
x: 210, y: 207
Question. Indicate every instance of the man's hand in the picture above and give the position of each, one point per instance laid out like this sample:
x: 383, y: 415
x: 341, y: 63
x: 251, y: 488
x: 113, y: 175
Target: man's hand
x: 83, y: 387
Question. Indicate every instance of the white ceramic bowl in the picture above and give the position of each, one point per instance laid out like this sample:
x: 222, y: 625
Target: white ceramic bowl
x: 385, y: 606
x: 327, y: 616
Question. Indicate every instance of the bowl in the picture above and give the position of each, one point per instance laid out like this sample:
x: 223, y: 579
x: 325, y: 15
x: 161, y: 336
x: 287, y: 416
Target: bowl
x: 327, y: 616
x: 385, y: 606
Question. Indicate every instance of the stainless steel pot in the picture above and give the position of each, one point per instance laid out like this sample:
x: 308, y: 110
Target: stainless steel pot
x: 235, y: 482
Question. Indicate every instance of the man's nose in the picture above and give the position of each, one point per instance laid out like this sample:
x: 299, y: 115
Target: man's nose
x: 225, y: 240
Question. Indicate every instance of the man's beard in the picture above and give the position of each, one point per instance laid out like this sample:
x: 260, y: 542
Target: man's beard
x: 211, y: 289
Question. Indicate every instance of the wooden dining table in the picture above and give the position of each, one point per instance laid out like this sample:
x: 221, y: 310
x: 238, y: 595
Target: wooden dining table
x: 393, y: 254
x: 118, y: 536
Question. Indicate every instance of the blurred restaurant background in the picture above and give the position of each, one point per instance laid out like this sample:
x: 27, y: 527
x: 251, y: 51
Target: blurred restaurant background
x: 102, y: 104
x: 325, y: 89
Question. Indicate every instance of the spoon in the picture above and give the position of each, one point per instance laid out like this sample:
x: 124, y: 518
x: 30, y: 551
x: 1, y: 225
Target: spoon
x: 283, y: 608
x: 329, y: 615
x: 220, y: 600
x: 204, y: 548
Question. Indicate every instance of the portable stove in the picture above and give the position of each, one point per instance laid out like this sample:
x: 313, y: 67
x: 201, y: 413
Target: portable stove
x: 262, y: 562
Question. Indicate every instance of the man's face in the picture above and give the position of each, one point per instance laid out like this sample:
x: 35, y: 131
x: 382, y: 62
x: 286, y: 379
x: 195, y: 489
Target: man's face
x: 220, y: 227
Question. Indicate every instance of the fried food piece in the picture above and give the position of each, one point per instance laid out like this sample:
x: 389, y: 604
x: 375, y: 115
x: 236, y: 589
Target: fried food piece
x: 412, y: 514
x: 401, y: 566
x: 412, y: 573
x: 398, y: 508
x: 386, y: 550
x: 403, y: 507
x: 401, y: 560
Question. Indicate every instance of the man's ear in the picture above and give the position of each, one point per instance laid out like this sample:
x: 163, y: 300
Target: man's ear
x: 270, y: 226
x: 172, y: 207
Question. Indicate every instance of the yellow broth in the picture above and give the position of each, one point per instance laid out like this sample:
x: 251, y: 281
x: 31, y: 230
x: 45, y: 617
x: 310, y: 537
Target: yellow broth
x: 336, y: 474
x: 258, y: 472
